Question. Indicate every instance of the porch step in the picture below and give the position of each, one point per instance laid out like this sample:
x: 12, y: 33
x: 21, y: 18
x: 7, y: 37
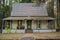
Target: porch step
x: 29, y: 31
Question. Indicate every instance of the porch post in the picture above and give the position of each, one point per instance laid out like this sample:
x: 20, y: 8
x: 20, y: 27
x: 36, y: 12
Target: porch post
x: 38, y: 24
x: 25, y: 24
x: 55, y: 24
x: 10, y: 23
x: 32, y: 24
x: 2, y: 25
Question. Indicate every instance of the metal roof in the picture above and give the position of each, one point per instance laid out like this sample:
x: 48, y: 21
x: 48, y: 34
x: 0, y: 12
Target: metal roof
x: 28, y: 9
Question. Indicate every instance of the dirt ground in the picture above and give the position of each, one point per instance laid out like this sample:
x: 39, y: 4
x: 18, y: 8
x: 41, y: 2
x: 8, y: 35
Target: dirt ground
x: 54, y: 35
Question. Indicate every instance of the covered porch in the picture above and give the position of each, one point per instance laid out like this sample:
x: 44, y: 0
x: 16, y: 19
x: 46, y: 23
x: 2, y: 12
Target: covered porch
x: 28, y: 25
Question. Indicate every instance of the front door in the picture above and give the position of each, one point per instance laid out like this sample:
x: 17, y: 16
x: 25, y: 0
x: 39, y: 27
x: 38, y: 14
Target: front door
x: 29, y: 24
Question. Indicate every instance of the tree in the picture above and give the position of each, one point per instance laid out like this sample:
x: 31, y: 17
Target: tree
x: 5, y: 11
x: 50, y: 8
x: 58, y: 13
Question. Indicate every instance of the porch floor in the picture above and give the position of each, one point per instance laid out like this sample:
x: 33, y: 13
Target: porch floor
x: 52, y: 35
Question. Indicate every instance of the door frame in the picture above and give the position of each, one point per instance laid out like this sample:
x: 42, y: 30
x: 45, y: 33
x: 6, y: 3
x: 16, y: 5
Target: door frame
x: 29, y: 24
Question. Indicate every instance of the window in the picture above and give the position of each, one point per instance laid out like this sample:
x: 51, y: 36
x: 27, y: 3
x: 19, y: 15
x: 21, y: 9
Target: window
x: 7, y: 24
x: 20, y: 26
x: 51, y: 25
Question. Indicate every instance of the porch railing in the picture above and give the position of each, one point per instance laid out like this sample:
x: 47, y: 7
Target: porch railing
x: 44, y: 30
x: 13, y: 31
x: 24, y: 31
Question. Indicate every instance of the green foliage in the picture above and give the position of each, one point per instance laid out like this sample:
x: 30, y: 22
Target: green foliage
x: 8, y: 29
x: 4, y: 12
x: 50, y: 8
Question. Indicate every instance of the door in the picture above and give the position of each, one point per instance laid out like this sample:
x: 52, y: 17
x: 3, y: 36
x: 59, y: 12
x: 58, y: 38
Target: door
x: 29, y: 24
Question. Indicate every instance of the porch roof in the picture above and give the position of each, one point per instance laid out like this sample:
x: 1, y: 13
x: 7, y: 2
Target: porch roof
x: 29, y: 18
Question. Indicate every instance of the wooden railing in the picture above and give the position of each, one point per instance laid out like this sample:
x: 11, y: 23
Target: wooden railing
x: 28, y: 31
